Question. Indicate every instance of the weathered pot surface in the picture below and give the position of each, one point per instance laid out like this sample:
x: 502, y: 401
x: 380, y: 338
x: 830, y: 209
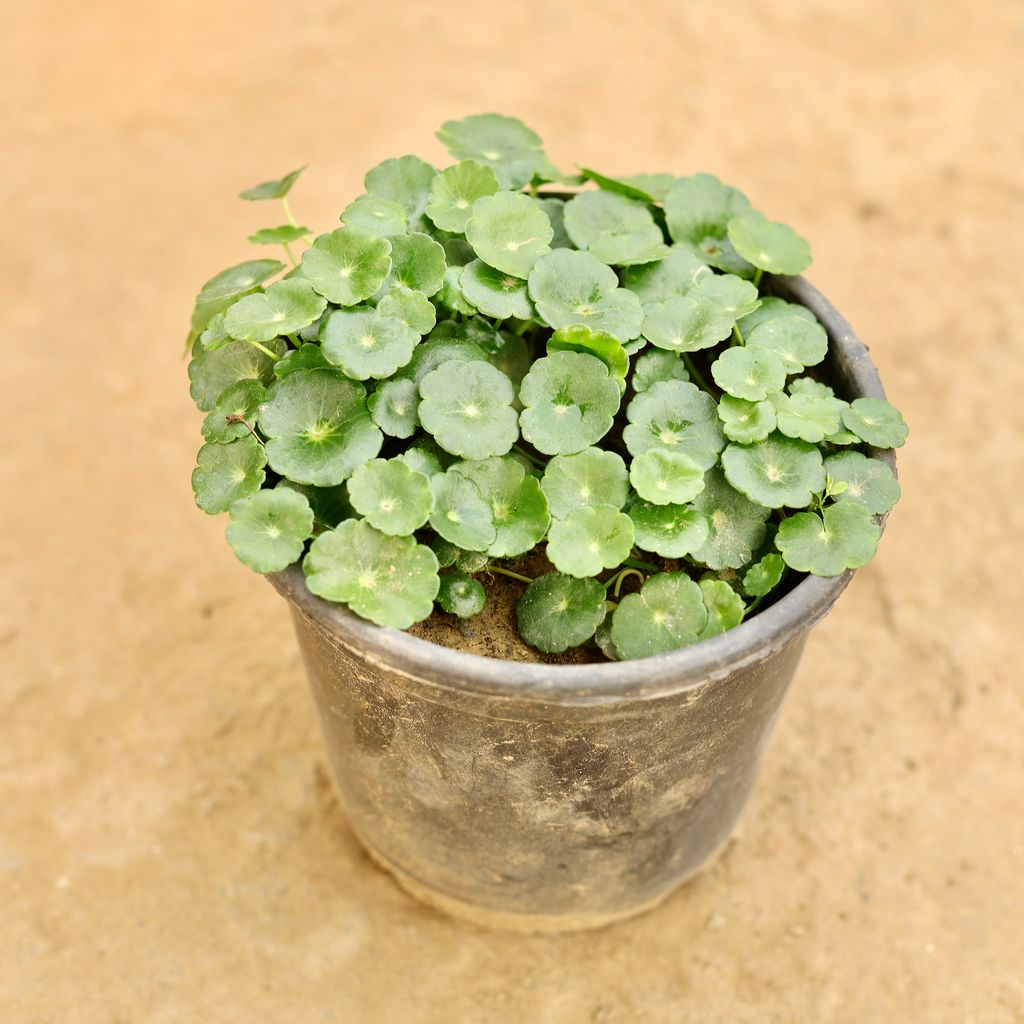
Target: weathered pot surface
x: 557, y: 797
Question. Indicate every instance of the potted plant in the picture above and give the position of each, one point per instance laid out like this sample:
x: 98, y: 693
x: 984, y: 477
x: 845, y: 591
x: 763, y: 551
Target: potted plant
x: 611, y: 424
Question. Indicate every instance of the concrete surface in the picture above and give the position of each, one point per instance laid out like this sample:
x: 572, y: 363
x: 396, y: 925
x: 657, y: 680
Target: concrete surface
x: 169, y: 850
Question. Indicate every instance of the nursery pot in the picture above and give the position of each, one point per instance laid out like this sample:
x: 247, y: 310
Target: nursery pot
x: 557, y: 797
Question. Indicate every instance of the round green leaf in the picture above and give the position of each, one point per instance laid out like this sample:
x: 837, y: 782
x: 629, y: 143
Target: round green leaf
x: 555, y: 209
x: 840, y: 536
x: 276, y: 188
x: 805, y: 416
x: 461, y: 514
x: 875, y: 421
x: 672, y: 531
x: 665, y: 477
x: 604, y: 346
x: 649, y: 188
x: 769, y: 245
x: 451, y: 296
x: 519, y: 509
x: 569, y: 402
x: 557, y: 612
x: 615, y: 229
x: 776, y: 472
x: 570, y: 287
x: 745, y: 421
x: 319, y: 427
x: 735, y: 524
x: 798, y: 342
x: 236, y: 281
x: 390, y: 496
x: 750, y: 373
x: 445, y: 551
x: 494, y: 292
x: 673, y: 276
x: 278, y: 236
x: 700, y: 205
x: 668, y: 613
x: 284, y: 308
x: 771, y: 308
x: 211, y: 372
x: 461, y: 595
x: 590, y: 477
x: 438, y: 350
x: 235, y: 410
x: 391, y: 581
x: 215, y: 335
x: 725, y: 607
x: 347, y: 265
x: 509, y: 231
x: 590, y: 539
x: 677, y: 416
x: 269, y: 529
x: 686, y: 324
x: 376, y: 216
x: 653, y: 367
x: 504, y: 144
x: 404, y: 180
x: 330, y: 505
x: 423, y: 459
x: 393, y: 407
x: 763, y: 576
x: 417, y: 263
x: 467, y: 408
x: 226, y: 472
x: 367, y: 343
x: 471, y: 561
x: 734, y: 296
x: 305, y: 357
x: 868, y: 481
x: 414, y: 309
x: 454, y: 190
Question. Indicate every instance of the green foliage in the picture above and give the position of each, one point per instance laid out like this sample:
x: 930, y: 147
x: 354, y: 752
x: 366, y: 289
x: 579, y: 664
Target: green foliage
x: 668, y: 612
x: 389, y: 580
x: 268, y: 529
x: 466, y: 371
x: 569, y: 402
x: 467, y: 409
x: 590, y: 539
x: 557, y: 612
x: 509, y: 232
x: 461, y: 595
x: 837, y: 537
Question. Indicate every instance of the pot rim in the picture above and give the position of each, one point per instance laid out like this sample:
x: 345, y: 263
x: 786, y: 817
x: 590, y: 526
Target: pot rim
x: 641, y: 678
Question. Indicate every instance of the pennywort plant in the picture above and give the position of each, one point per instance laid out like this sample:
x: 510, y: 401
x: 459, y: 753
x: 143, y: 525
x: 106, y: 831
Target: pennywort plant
x: 470, y: 376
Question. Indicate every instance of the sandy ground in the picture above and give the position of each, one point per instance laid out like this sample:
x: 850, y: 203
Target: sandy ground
x: 169, y: 849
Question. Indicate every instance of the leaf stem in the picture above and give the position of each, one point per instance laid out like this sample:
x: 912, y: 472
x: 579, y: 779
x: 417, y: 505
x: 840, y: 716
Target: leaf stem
x: 288, y: 252
x: 696, y: 374
x: 758, y: 274
x: 524, y: 327
x: 295, y: 341
x: 509, y: 573
x: 737, y: 336
x: 624, y: 575
x: 241, y: 419
x: 263, y: 348
x: 639, y: 563
x: 288, y: 212
x: 539, y: 463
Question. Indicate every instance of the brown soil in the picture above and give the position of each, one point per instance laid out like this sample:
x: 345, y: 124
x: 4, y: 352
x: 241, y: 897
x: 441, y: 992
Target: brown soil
x: 169, y: 847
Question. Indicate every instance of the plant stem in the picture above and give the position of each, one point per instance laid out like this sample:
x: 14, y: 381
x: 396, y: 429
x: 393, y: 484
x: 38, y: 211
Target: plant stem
x: 509, y: 573
x: 288, y: 251
x: 288, y: 212
x: 737, y: 336
x: 266, y: 351
x: 624, y: 575
x: 697, y: 376
x: 242, y: 419
x: 757, y: 277
x: 638, y: 563
x: 539, y: 463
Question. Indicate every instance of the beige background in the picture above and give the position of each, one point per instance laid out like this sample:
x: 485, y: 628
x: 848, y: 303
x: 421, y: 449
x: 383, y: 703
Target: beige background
x: 169, y: 849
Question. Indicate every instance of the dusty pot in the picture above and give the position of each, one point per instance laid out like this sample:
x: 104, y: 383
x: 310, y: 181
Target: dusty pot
x: 556, y: 797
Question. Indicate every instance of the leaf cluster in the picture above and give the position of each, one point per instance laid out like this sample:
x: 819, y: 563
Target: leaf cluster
x: 469, y: 370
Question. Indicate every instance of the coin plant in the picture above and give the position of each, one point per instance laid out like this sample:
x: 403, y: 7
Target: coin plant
x: 594, y: 394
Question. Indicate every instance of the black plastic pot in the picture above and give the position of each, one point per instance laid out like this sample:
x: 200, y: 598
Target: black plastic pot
x: 557, y: 797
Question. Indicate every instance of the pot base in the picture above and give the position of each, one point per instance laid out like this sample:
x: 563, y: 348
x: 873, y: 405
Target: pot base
x: 532, y: 924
